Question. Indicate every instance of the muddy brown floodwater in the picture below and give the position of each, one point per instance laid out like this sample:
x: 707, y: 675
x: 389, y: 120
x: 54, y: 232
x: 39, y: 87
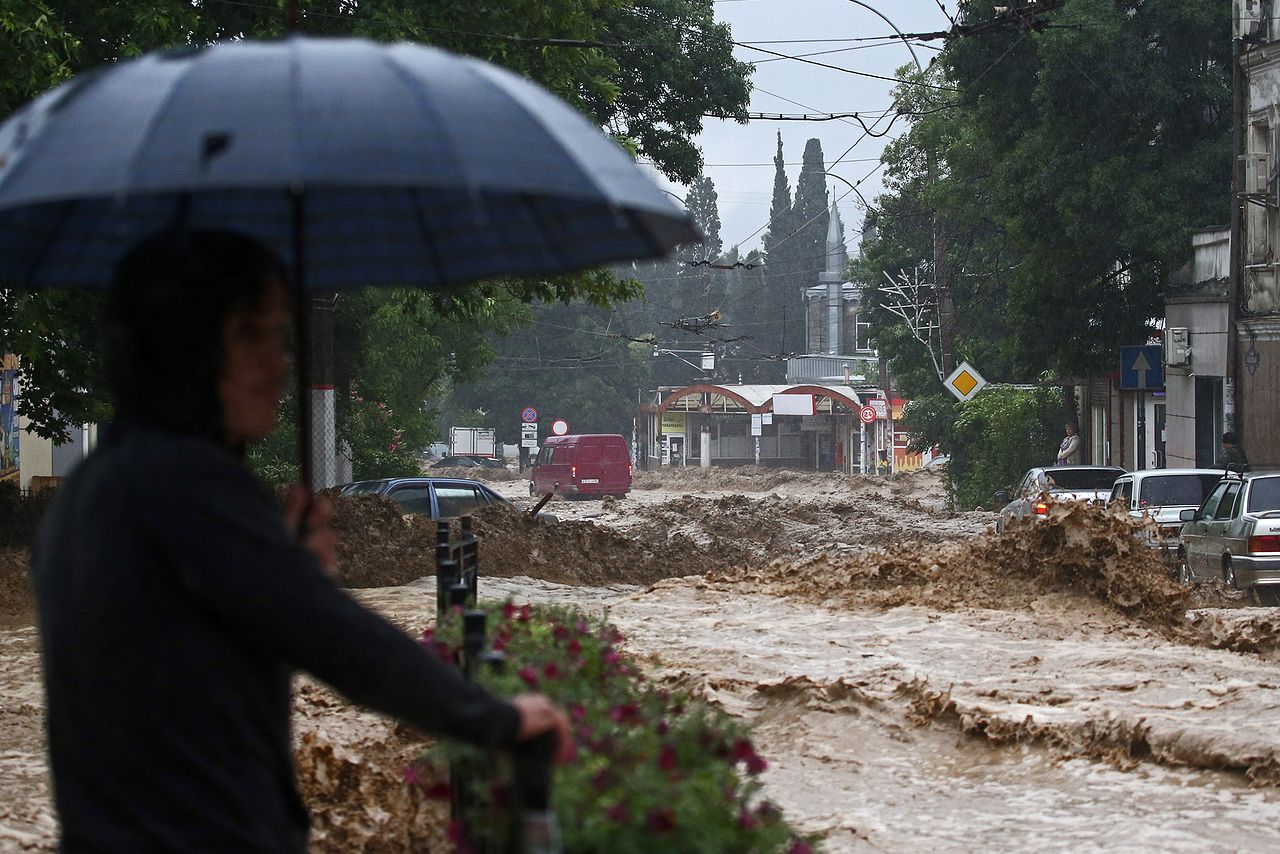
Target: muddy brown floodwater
x: 915, y: 681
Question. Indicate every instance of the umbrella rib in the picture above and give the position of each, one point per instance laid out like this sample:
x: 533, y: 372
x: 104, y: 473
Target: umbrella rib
x: 153, y: 126
x: 38, y: 259
x: 428, y: 236
x: 527, y: 201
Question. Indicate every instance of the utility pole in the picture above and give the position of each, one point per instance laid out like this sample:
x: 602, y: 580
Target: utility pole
x: 1231, y: 394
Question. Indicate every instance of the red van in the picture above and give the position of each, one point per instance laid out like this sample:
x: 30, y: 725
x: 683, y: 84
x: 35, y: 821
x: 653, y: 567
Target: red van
x: 589, y: 464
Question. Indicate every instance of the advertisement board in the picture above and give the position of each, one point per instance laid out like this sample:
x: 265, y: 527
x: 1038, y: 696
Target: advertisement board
x: 9, y: 418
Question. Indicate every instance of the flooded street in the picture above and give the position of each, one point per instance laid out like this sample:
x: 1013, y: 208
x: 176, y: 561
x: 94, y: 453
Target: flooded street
x: 914, y: 681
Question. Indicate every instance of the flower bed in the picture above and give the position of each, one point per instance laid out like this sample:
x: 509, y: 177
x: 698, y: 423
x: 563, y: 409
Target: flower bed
x: 654, y: 770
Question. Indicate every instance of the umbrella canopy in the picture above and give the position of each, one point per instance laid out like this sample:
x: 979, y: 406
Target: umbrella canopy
x: 379, y: 164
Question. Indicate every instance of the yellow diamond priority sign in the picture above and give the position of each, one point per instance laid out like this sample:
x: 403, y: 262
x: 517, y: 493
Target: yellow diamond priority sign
x: 965, y: 382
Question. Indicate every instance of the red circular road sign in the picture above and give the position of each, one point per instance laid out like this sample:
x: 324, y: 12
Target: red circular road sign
x: 559, y: 426
x: 867, y: 414
x: 529, y: 415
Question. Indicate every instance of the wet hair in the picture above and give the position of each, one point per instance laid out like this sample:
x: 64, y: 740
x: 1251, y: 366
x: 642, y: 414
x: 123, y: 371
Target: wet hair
x: 1228, y: 438
x: 163, y: 324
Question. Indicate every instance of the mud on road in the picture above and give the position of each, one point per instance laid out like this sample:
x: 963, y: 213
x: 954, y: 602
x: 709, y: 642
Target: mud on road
x: 915, y: 680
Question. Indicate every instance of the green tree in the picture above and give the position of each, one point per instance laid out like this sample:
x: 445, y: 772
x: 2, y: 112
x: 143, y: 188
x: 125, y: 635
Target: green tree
x: 1100, y: 143
x: 810, y: 214
x: 993, y: 439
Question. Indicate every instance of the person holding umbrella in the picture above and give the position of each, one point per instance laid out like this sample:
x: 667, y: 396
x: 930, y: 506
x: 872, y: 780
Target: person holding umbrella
x: 175, y: 600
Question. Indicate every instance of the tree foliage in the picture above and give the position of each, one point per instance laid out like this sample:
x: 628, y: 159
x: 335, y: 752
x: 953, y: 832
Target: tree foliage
x: 992, y: 439
x: 1066, y: 167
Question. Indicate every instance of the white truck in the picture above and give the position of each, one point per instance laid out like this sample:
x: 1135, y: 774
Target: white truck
x: 472, y: 441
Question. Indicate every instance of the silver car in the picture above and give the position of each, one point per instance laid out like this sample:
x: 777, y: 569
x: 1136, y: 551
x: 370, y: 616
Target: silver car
x: 1161, y: 495
x: 1039, y: 486
x: 1235, y: 535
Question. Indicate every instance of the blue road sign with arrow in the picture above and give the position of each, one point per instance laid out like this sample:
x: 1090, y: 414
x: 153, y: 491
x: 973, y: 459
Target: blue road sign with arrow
x: 1141, y: 368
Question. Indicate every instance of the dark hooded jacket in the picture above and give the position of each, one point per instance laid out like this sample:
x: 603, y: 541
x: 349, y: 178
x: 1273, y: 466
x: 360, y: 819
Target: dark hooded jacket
x: 174, y: 606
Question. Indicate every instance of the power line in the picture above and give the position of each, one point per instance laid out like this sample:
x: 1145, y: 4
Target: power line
x: 839, y: 68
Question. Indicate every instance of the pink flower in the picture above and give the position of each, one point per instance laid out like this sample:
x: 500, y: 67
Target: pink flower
x: 429, y: 635
x: 550, y: 671
x: 661, y: 821
x: 610, y: 656
x: 618, y: 813
x: 743, y: 751
x: 574, y: 648
x: 800, y: 847
x: 746, y: 820
x: 767, y: 811
x: 582, y: 628
x: 577, y: 712
x: 529, y: 675
x: 663, y: 728
x: 626, y: 713
x: 439, y: 791
x: 601, y: 780
x: 560, y: 632
x: 667, y: 759
x: 508, y: 611
x: 523, y: 616
x: 411, y: 775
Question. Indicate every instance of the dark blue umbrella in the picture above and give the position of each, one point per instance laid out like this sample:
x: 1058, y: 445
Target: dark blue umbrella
x: 403, y: 165
x: 361, y: 163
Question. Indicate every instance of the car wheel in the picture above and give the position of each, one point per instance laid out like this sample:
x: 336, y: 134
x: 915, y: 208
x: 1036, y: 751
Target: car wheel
x: 1229, y: 575
x: 1268, y: 597
x: 1184, y: 572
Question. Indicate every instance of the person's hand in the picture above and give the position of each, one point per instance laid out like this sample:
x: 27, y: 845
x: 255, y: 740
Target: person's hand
x: 539, y: 715
x: 314, y: 534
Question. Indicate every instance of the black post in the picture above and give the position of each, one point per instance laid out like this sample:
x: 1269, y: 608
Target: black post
x: 535, y: 829
x: 469, y: 559
x: 473, y: 640
x: 446, y: 568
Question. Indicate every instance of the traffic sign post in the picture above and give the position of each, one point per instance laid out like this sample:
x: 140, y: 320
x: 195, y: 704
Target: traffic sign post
x: 560, y: 427
x: 529, y: 415
x: 529, y: 435
x: 867, y: 414
x: 1141, y: 368
x: 965, y: 382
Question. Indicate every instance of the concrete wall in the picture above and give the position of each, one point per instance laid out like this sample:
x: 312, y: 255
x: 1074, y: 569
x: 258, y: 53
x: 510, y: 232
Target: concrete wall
x: 1259, y: 411
x: 37, y: 456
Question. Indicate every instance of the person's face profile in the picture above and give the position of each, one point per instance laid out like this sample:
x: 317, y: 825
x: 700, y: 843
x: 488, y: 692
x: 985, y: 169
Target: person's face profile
x: 255, y: 362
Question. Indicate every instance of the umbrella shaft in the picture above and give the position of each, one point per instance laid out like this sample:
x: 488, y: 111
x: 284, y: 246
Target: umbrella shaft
x: 302, y: 330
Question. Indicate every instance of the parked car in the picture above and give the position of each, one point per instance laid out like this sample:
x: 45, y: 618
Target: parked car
x: 1040, y: 486
x: 587, y: 464
x: 1161, y: 495
x: 1235, y: 535
x: 437, y: 497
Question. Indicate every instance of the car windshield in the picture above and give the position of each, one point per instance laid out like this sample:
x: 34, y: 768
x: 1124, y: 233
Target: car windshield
x: 1170, y: 489
x: 1072, y: 479
x: 1264, y: 495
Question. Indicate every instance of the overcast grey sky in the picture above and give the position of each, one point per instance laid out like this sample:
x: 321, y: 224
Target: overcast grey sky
x: 745, y: 191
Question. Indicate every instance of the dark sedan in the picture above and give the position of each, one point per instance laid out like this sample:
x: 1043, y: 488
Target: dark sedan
x: 437, y: 497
